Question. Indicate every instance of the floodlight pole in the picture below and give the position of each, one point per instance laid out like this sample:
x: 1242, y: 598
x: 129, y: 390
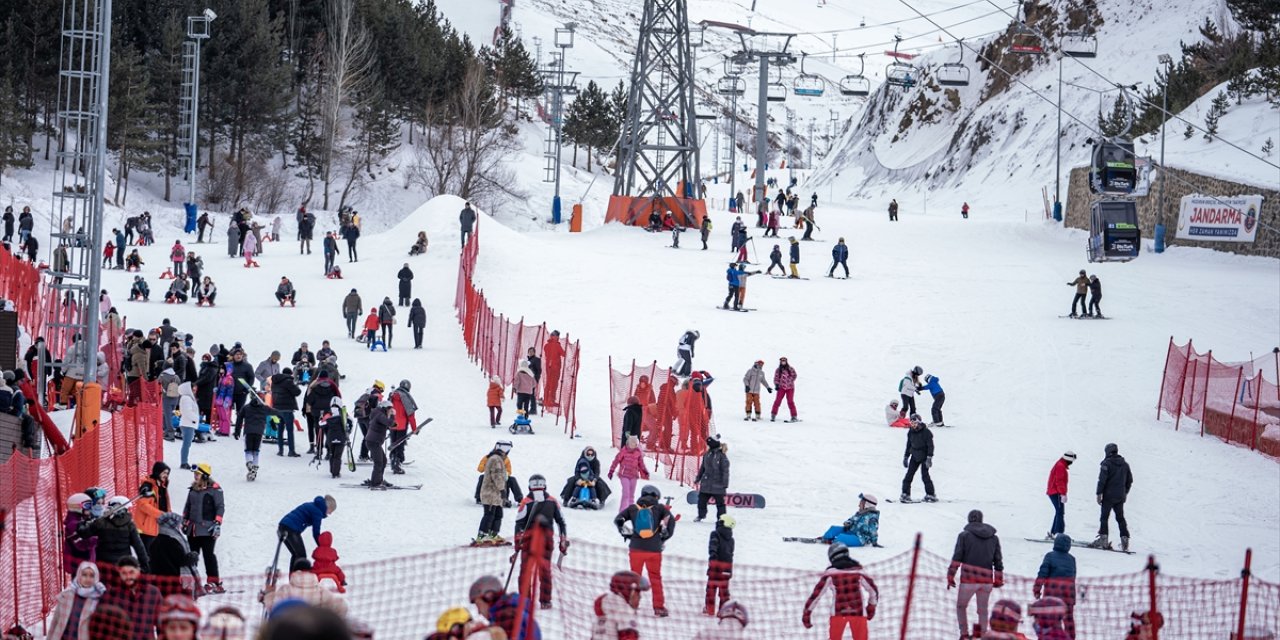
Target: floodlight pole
x: 1057, y: 154
x: 1164, y: 118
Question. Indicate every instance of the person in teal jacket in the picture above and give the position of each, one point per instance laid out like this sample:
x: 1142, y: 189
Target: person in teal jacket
x: 862, y: 529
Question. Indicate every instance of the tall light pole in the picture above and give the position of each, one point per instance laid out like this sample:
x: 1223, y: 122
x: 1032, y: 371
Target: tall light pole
x: 1165, y: 60
x: 564, y: 40
x: 198, y: 32
x: 1057, y: 153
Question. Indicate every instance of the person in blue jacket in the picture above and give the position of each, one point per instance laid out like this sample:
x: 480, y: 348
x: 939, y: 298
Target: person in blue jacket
x: 862, y: 529
x: 734, y: 275
x: 934, y: 387
x: 307, y: 514
x: 839, y: 258
x: 1057, y: 578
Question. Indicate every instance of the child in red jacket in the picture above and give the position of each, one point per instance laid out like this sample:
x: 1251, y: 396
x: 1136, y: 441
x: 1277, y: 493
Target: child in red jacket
x: 324, y: 561
x: 494, y: 399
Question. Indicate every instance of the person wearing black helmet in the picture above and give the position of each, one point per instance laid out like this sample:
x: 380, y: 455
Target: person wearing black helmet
x: 1114, y: 481
x: 380, y: 420
x: 534, y: 536
x: 855, y: 595
x: 647, y: 525
x: 616, y: 610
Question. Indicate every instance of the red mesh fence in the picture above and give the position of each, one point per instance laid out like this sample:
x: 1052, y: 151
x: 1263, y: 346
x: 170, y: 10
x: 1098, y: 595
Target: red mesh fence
x: 401, y: 598
x: 675, y: 424
x: 497, y: 343
x: 1234, y: 401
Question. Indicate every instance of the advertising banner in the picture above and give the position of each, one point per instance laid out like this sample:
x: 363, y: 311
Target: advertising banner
x: 1219, y: 219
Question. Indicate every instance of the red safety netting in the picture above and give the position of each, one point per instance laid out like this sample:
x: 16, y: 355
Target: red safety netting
x: 1234, y: 401
x: 498, y: 343
x: 675, y: 425
x: 402, y: 597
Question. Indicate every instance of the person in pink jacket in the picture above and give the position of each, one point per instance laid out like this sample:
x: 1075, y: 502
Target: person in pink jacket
x: 629, y: 464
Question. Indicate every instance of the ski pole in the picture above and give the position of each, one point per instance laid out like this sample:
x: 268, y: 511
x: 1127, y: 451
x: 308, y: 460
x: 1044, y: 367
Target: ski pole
x: 514, y: 556
x: 754, y: 255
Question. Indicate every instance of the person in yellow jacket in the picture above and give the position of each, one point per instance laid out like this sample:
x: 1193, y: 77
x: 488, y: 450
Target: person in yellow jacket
x: 149, y: 508
x: 1082, y: 287
x: 513, y: 485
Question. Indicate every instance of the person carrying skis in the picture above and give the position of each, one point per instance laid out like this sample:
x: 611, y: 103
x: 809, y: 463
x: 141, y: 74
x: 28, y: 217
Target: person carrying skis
x: 314, y: 403
x: 784, y: 380
x: 775, y: 260
x: 1114, y: 481
x: 862, y: 529
x: 1057, y: 492
x: 381, y: 419
x: 616, y: 610
x: 719, y: 563
x: 684, y: 354
x: 713, y: 478
x: 855, y: 595
x: 795, y: 257
x: 1095, y: 297
x: 1081, y: 283
x: 646, y: 526
x: 978, y: 559
x: 533, y: 535
x: 933, y: 386
x: 918, y: 455
x: 405, y: 407
x: 839, y: 258
x: 306, y: 515
x: 508, y: 613
x: 333, y: 424
x: 202, y: 518
x: 909, y: 388
x: 734, y: 275
x: 1057, y: 579
x: 751, y: 383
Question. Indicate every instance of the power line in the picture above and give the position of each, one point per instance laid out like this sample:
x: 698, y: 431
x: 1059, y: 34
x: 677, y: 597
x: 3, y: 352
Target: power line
x: 890, y: 23
x: 1037, y: 94
x: 1144, y: 101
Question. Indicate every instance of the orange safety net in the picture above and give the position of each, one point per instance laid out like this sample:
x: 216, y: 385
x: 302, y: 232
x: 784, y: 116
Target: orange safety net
x: 677, y: 420
x: 498, y: 343
x: 1233, y: 401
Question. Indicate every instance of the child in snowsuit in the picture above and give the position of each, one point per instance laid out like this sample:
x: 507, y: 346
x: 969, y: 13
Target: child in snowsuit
x: 775, y: 260
x: 134, y: 263
x: 324, y: 561
x: 494, y: 399
x: 108, y: 252
x: 795, y: 257
x: 862, y: 529
x: 719, y: 564
x: 629, y: 464
x: 333, y: 423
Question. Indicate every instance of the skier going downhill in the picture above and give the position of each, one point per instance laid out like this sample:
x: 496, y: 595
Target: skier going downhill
x: 918, y: 456
x: 684, y: 354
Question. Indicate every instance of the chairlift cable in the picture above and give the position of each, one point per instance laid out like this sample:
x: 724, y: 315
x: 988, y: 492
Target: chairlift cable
x: 1144, y: 101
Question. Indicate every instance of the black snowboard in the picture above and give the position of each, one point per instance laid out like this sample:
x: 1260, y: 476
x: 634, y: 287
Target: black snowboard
x: 735, y: 500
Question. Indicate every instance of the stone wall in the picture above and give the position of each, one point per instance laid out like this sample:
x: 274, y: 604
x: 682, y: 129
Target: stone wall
x: 1267, y: 242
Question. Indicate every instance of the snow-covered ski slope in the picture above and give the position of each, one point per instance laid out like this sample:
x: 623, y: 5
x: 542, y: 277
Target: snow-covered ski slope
x: 975, y: 302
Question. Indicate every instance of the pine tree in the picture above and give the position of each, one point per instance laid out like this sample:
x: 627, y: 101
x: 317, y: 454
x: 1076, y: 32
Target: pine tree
x: 1188, y: 132
x: 15, y: 152
x: 164, y: 66
x: 1267, y: 147
x: 130, y: 118
x: 514, y: 69
x: 1217, y: 109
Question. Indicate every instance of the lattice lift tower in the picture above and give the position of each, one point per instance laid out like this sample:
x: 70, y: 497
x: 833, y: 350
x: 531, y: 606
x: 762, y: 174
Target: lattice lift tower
x: 658, y: 149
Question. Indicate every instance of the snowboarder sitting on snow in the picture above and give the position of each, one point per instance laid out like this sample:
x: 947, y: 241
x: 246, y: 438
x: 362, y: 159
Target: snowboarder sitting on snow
x: 655, y: 222
x: 138, y: 290
x: 285, y: 292
x: 522, y: 423
x: 862, y: 529
x: 134, y: 262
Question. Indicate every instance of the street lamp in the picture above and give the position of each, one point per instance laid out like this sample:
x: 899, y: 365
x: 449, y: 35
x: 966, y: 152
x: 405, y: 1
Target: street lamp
x: 197, y: 32
x: 1057, y: 153
x: 1167, y: 61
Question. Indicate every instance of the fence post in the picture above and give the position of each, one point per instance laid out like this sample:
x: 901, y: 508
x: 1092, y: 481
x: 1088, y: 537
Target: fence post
x: 911, y: 587
x: 1276, y: 353
x: 1204, y: 393
x: 1245, y: 574
x: 1152, y: 569
x: 1164, y: 377
x: 1182, y: 386
x: 1194, y: 365
x: 1235, y: 399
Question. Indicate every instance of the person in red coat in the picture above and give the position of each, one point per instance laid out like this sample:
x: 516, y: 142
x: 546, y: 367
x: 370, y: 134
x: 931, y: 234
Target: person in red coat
x: 855, y: 595
x: 324, y: 561
x: 552, y: 359
x: 371, y: 325
x: 1058, y: 492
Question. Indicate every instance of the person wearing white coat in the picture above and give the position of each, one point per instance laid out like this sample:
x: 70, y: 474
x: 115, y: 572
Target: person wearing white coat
x: 190, y: 419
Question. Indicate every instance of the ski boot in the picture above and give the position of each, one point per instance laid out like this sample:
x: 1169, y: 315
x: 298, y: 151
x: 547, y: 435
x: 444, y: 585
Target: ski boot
x: 1100, y: 542
x: 1051, y: 536
x: 906, y: 497
x: 930, y: 498
x: 214, y: 587
x: 1124, y: 543
x: 545, y: 605
x: 794, y: 419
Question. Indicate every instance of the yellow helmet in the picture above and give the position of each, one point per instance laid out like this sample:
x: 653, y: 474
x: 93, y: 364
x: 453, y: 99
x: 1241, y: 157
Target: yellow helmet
x: 203, y: 468
x: 379, y: 385
x: 452, y: 617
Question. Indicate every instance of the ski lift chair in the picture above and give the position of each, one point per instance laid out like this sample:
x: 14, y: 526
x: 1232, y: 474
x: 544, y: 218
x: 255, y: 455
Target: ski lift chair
x: 954, y: 74
x: 856, y: 84
x: 1024, y: 39
x: 1114, y: 235
x: 808, y: 84
x: 901, y: 74
x: 777, y: 92
x: 731, y: 86
x: 1080, y: 44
